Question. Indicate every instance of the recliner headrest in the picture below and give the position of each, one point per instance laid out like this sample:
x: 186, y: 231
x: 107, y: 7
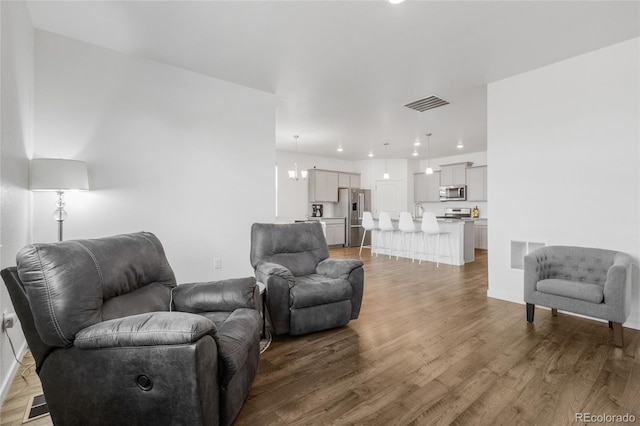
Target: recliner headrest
x: 67, y: 282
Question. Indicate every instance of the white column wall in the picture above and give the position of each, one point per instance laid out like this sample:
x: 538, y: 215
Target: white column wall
x: 564, y: 161
x: 16, y: 135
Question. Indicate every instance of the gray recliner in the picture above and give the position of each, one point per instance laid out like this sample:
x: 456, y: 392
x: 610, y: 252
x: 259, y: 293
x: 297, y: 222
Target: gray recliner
x: 116, y: 342
x: 588, y: 281
x: 306, y: 291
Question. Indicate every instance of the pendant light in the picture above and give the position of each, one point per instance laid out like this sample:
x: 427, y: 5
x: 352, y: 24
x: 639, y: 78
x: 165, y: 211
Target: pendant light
x: 429, y: 170
x: 386, y: 160
x: 293, y: 174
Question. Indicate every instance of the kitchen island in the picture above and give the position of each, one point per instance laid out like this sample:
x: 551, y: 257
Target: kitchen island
x: 456, y: 248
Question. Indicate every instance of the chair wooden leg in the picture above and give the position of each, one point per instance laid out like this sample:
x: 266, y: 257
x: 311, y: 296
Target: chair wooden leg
x: 554, y: 312
x: 364, y: 235
x: 617, y: 334
x: 610, y: 324
x: 530, y: 311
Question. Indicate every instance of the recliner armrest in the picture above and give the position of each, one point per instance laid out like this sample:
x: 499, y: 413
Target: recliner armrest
x: 337, y: 268
x: 266, y: 269
x: 278, y: 281
x: 150, y: 329
x: 226, y: 295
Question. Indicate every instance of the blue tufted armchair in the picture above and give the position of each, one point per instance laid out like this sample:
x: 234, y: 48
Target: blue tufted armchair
x: 588, y: 281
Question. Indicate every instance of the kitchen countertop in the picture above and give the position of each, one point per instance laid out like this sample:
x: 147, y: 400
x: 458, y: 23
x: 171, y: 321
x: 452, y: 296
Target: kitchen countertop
x: 325, y: 217
x: 419, y: 219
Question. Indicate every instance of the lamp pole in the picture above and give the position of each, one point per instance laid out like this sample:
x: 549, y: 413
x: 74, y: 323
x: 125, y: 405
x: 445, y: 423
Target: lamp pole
x: 60, y: 214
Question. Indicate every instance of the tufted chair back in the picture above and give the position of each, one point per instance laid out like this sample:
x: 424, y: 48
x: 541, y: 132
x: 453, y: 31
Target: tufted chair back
x: 85, y: 282
x: 577, y: 264
x: 298, y: 246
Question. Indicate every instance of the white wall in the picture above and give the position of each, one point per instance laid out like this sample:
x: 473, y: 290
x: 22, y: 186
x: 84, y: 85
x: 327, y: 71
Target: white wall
x: 372, y: 171
x: 16, y: 129
x: 186, y: 156
x: 564, y: 161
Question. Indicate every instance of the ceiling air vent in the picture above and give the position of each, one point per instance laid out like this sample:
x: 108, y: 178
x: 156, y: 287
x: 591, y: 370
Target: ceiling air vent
x: 429, y: 102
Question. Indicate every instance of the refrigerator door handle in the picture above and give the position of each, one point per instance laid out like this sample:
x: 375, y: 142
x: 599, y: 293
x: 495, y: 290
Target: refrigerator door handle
x: 360, y: 204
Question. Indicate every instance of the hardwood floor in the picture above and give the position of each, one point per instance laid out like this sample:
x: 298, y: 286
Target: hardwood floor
x: 24, y: 386
x: 430, y: 348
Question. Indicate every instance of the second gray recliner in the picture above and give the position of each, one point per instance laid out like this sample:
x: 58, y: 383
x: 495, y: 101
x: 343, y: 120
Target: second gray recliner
x: 306, y: 291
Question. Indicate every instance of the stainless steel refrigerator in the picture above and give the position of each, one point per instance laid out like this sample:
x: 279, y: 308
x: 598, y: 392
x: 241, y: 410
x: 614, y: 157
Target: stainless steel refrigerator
x: 351, y: 204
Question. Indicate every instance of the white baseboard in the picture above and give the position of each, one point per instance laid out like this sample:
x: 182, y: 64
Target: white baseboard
x: 8, y: 379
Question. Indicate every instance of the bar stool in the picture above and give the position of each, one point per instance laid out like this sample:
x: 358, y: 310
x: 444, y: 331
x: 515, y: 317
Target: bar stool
x: 369, y: 225
x: 406, y: 228
x: 386, y: 227
x: 431, y: 228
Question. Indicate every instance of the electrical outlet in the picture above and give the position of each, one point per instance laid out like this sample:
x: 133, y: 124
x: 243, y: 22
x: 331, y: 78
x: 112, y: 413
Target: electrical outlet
x: 217, y: 263
x: 8, y: 320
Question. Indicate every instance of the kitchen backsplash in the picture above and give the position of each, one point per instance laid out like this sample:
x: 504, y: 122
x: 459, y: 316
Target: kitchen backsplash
x: 438, y: 208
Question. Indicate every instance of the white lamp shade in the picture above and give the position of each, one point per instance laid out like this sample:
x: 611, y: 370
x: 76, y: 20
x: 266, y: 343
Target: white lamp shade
x: 55, y: 174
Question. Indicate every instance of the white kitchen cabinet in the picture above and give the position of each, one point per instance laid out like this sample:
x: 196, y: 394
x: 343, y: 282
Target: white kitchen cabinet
x: 348, y: 180
x: 453, y: 174
x: 335, y: 231
x: 477, y: 183
x: 323, y: 186
x: 344, y: 180
x: 355, y: 180
x: 426, y: 188
x: 481, y: 234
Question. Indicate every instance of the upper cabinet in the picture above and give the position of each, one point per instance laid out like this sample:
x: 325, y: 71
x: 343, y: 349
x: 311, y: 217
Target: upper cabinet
x: 426, y: 188
x: 355, y: 180
x: 477, y: 183
x: 348, y: 180
x: 323, y: 186
x: 454, y: 174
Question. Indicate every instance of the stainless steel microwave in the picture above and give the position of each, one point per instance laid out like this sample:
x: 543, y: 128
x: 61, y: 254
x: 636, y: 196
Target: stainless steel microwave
x: 453, y: 193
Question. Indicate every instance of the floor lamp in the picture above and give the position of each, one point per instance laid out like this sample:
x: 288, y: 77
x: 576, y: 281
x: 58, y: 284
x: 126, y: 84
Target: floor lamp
x: 58, y: 175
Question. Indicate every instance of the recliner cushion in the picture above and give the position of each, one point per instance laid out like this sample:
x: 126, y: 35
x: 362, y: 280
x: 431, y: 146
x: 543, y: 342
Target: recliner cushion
x: 314, y: 289
x: 572, y: 289
x: 150, y: 298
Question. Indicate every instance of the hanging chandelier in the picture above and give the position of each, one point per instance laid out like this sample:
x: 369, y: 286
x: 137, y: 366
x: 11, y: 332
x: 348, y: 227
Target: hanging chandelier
x: 294, y: 174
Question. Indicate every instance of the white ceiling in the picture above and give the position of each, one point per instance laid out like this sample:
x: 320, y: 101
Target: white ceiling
x: 342, y: 70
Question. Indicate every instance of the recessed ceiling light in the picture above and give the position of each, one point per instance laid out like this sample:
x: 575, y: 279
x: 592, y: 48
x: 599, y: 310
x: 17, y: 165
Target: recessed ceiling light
x: 370, y: 153
x: 340, y: 149
x: 415, y: 153
x: 416, y: 143
x: 460, y: 145
x: 395, y: 1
